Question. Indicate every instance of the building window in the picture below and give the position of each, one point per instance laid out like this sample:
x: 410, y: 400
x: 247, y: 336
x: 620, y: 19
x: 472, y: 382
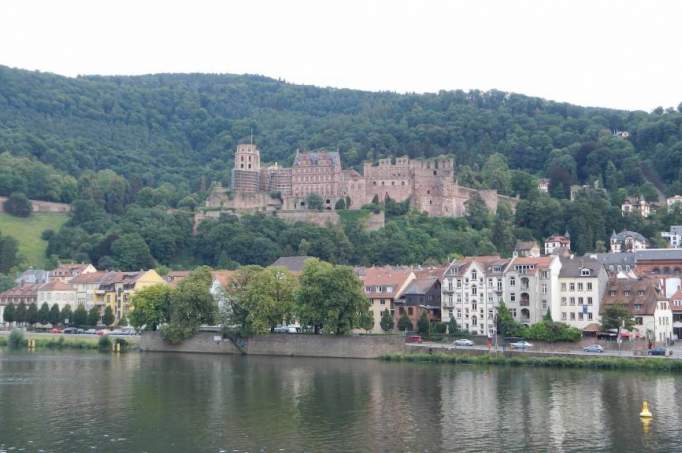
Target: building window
x: 563, y: 287
x: 589, y: 316
x: 473, y: 274
x: 589, y: 286
x: 512, y: 281
x: 580, y: 286
x: 572, y: 299
x: 571, y: 286
x: 563, y: 316
x: 585, y: 272
x: 580, y: 316
x: 512, y: 297
x: 563, y: 301
x: 572, y: 316
x: 589, y: 301
x: 544, y: 288
x: 410, y: 310
x: 544, y: 304
x: 580, y: 301
x: 459, y: 283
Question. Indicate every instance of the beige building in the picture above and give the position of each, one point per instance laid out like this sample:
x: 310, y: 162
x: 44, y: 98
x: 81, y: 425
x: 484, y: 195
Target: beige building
x: 65, y: 272
x: 383, y: 285
x: 57, y: 292
x: 582, y: 283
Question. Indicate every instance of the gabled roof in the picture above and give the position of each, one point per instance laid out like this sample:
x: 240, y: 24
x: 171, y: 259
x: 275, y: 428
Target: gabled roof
x: 420, y: 286
x: 658, y: 254
x: 487, y: 262
x: 292, y: 263
x: 22, y: 290
x: 572, y: 267
x: 525, y: 245
x: 623, y: 235
x: 223, y: 277
x: 56, y: 285
x: 639, y: 295
x: 89, y: 278
x: 67, y: 270
x: 537, y: 261
x: 394, y: 277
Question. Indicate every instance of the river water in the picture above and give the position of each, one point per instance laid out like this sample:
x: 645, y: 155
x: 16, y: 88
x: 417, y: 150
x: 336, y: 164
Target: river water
x: 181, y: 402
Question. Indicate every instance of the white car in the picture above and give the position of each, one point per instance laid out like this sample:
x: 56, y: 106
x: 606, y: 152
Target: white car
x: 520, y: 345
x: 463, y: 342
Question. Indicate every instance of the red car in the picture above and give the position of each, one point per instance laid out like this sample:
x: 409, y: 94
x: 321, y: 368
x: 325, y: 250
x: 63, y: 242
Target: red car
x: 56, y: 330
x: 413, y: 339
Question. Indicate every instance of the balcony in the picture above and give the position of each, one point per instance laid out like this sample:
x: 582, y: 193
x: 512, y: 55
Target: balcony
x: 525, y: 300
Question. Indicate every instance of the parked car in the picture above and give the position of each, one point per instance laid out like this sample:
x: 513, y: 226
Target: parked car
x: 463, y: 342
x: 55, y: 330
x: 101, y: 332
x: 593, y: 348
x: 70, y: 331
x: 413, y: 339
x: 91, y: 331
x: 123, y: 331
x: 287, y: 329
x: 520, y: 345
x: 658, y: 351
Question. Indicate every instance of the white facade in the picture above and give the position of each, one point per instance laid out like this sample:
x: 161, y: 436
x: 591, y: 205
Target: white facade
x: 578, y: 302
x: 471, y: 295
x: 674, y: 236
x: 530, y: 286
x: 60, y: 297
x: 658, y: 326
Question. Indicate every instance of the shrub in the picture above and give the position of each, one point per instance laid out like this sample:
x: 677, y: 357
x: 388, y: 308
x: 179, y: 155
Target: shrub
x: 440, y: 328
x: 104, y: 343
x: 386, y: 321
x: 18, y: 205
x: 16, y: 339
x: 551, y: 332
x: 404, y: 323
x: 423, y: 325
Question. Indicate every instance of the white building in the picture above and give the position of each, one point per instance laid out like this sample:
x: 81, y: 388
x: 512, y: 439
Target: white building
x: 471, y: 291
x: 627, y: 241
x: 674, y: 236
x: 57, y: 292
x: 557, y: 242
x: 530, y: 285
x: 582, y: 283
x: 671, y: 201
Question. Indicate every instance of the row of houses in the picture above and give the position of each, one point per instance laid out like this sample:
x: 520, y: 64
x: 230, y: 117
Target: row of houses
x: 573, y: 290
x: 80, y: 284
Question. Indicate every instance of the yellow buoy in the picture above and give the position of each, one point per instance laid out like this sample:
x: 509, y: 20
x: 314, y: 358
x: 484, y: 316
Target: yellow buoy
x: 646, y: 413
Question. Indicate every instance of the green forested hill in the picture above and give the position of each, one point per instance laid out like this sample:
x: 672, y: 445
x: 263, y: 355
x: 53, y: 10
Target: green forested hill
x: 174, y: 127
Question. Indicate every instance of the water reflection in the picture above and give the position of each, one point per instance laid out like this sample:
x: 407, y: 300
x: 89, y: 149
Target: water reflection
x: 182, y: 402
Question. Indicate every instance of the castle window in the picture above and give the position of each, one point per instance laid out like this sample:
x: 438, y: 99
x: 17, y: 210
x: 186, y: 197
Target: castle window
x: 242, y: 166
x: 402, y: 183
x: 435, y: 172
x: 428, y: 192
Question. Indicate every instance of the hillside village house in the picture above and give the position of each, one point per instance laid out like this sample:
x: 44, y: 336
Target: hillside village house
x: 672, y: 201
x: 531, y: 282
x: 676, y: 308
x: 637, y: 206
x: 383, y: 285
x: 471, y: 290
x: 582, y: 283
x: 557, y: 242
x: 56, y: 292
x: 32, y: 276
x: 26, y: 293
x: 615, y: 263
x: 627, y: 241
x: 65, y: 272
x: 526, y: 248
x: 646, y: 301
x: 674, y: 236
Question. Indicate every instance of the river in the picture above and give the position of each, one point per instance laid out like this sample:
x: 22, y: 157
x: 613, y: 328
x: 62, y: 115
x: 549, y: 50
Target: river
x: 155, y: 402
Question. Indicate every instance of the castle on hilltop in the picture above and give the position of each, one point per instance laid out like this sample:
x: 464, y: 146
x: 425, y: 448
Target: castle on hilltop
x: 428, y: 184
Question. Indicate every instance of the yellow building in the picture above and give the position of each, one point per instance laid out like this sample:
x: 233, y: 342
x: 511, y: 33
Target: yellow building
x: 117, y: 289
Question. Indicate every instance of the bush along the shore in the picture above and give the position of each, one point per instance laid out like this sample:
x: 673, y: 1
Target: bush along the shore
x: 104, y: 344
x: 613, y: 363
x: 16, y: 340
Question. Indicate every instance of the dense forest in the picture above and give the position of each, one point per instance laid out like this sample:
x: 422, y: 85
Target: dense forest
x: 135, y: 156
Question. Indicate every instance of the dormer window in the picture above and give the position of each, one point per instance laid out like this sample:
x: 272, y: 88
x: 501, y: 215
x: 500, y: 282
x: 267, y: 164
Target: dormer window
x: 585, y: 272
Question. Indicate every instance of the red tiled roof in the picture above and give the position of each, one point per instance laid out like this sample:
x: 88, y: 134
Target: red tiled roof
x: 56, y: 285
x: 89, y: 278
x: 386, y: 276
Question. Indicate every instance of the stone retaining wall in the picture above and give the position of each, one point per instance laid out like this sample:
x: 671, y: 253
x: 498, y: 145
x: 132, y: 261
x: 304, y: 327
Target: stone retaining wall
x: 355, y: 347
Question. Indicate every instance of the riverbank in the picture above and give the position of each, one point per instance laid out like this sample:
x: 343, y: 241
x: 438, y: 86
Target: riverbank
x: 611, y: 363
x: 40, y: 340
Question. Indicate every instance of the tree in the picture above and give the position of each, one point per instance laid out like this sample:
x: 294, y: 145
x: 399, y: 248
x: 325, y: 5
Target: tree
x: 330, y: 298
x: 548, y: 316
x: 477, y: 212
x: 20, y: 315
x: 503, y: 230
x: 6, y: 282
x: 314, y: 201
x: 404, y: 322
x: 131, y: 252
x: 55, y: 316
x: 367, y: 320
x: 617, y: 316
x: 423, y: 324
x: 340, y: 204
x: 80, y: 316
x: 32, y: 314
x: 8, y: 315
x: 191, y: 305
x: 507, y: 326
x: 9, y: 255
x: 44, y: 313
x: 453, y: 328
x: 151, y: 308
x: 386, y: 322
x: 66, y: 316
x: 271, y: 298
x: 18, y: 205
x: 93, y: 316
x: 108, y: 318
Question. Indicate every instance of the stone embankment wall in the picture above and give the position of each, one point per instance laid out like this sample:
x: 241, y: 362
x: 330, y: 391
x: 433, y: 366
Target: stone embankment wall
x: 41, y: 206
x: 354, y: 347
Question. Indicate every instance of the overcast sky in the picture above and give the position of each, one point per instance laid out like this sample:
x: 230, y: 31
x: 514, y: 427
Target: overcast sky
x: 622, y: 54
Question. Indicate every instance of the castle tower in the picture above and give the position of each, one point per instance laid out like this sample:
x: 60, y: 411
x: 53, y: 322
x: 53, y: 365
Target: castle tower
x: 246, y: 171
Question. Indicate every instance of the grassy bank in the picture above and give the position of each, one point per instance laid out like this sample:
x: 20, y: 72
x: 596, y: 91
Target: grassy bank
x: 28, y: 230
x: 58, y: 343
x: 610, y: 363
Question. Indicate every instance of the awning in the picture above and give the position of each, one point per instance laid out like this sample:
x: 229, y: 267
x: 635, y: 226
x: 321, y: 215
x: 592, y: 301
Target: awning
x: 592, y: 327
